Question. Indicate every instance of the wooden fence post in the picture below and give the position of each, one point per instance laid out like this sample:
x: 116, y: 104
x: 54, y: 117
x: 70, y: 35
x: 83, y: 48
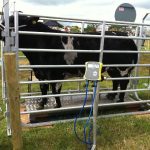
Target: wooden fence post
x: 13, y: 99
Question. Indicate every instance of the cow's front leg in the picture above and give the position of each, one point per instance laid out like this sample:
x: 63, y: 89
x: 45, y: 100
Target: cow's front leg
x: 111, y: 96
x: 56, y: 89
x: 44, y: 88
x: 123, y: 86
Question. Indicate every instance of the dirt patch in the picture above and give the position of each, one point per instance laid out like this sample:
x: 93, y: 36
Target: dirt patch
x: 143, y: 116
x: 23, y: 62
x: 24, y: 117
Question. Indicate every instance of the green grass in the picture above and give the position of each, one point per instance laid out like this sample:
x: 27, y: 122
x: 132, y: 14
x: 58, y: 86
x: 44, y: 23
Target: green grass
x: 115, y: 133
x: 118, y: 133
x: 147, y: 45
x: 125, y: 133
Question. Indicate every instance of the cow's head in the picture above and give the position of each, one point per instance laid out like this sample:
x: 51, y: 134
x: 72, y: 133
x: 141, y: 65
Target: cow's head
x: 23, y: 21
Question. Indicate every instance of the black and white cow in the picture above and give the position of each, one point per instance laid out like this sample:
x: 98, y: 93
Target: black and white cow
x: 70, y: 58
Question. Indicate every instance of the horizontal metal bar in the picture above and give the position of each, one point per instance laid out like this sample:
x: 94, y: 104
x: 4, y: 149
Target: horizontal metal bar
x: 81, y: 66
x: 73, y: 108
x: 129, y: 78
x: 63, y: 91
x: 124, y: 103
x: 59, y: 34
x: 127, y: 65
x: 120, y: 23
x: 81, y: 35
x: 50, y: 81
x: 80, y: 80
x: 125, y: 51
x: 77, y: 20
x: 52, y: 95
x: 21, y: 57
x: 51, y: 66
x: 86, y: 20
x: 54, y: 110
x: 49, y: 92
x: 58, y: 50
x: 125, y: 114
x: 127, y: 37
x: 25, y: 69
x: 85, y: 118
x: 80, y: 51
x: 120, y: 91
x: 73, y: 94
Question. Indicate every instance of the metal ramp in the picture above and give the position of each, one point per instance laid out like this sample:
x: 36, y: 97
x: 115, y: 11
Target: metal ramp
x: 71, y: 105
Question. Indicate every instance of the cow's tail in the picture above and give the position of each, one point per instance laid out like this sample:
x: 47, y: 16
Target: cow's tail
x: 131, y: 68
x: 134, y: 58
x: 134, y: 61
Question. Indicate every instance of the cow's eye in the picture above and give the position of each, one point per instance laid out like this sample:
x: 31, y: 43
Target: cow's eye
x: 33, y: 22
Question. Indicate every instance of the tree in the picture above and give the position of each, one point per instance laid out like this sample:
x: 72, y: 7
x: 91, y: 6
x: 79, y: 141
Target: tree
x: 75, y: 29
x: 116, y: 28
x: 91, y: 28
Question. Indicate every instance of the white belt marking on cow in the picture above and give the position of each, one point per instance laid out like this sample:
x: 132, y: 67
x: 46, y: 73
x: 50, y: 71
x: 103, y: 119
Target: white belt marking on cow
x: 69, y: 57
x: 127, y: 71
x: 124, y: 72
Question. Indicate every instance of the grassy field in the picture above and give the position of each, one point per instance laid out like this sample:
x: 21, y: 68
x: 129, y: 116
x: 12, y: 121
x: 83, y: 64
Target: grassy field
x: 118, y: 133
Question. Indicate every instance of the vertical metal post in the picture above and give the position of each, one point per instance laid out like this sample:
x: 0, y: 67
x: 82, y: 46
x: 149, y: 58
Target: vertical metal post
x: 95, y: 106
x: 16, y: 31
x: 7, y: 114
x: 6, y: 30
x: 82, y: 27
x: 79, y: 86
x: 137, y: 34
x: 6, y: 48
x: 2, y: 73
x: 139, y: 45
x: 16, y: 36
x: 102, y: 41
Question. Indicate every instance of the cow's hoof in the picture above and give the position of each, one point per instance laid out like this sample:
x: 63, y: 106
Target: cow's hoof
x: 39, y: 107
x: 57, y: 106
x: 144, y: 107
x: 111, y: 96
x: 119, y: 101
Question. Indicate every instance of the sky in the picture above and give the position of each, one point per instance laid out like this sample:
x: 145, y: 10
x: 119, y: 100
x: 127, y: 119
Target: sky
x: 84, y: 9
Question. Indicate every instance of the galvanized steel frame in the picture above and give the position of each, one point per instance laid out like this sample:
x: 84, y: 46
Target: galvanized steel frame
x: 16, y: 33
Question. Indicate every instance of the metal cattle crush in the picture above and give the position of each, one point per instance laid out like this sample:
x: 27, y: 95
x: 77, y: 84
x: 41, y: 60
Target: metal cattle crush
x: 138, y: 83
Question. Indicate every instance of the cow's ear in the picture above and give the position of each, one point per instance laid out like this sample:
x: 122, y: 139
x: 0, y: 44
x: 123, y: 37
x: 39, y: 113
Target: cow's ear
x: 35, y: 20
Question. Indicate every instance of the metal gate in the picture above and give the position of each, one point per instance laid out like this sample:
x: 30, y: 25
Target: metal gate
x: 135, y: 85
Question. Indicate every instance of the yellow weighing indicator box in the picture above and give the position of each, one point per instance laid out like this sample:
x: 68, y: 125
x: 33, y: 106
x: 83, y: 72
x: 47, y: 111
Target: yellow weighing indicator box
x: 93, y: 71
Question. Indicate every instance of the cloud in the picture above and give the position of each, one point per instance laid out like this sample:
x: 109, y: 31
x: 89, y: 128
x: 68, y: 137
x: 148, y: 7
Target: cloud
x: 86, y: 9
x: 50, y: 2
x: 142, y: 4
